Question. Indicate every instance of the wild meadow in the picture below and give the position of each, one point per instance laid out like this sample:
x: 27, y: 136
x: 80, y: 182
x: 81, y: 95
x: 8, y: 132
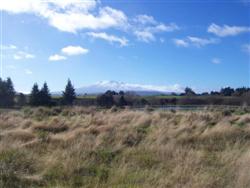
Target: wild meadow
x: 124, y: 94
x: 89, y: 147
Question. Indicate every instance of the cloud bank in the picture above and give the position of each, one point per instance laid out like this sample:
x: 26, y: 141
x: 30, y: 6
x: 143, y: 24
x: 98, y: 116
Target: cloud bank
x: 195, y: 41
x: 146, y: 27
x: 110, y: 38
x: 78, y: 15
x: 225, y: 30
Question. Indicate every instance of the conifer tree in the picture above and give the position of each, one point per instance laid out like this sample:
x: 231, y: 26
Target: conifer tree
x: 34, y: 95
x: 69, y: 94
x: 7, y: 93
x: 122, y: 101
x: 21, y: 99
x: 44, y: 95
x: 10, y: 92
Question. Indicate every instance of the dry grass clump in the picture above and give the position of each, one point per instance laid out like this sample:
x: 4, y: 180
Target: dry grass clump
x: 54, y: 125
x: 19, y: 135
x: 87, y: 147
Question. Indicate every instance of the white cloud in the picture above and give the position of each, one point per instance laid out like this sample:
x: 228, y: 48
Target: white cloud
x: 225, y: 30
x: 195, y: 41
x: 145, y: 19
x: 246, y: 48
x: 12, y: 51
x: 23, y: 55
x: 162, y: 28
x: 27, y: 71
x: 74, y: 50
x: 180, y: 42
x: 111, y: 38
x: 8, y: 47
x: 75, y: 21
x: 216, y: 61
x: 145, y: 36
x: 199, y: 42
x: 25, y: 6
x: 146, y: 27
x: 69, y: 15
x: 69, y: 51
x: 56, y: 57
x: 76, y: 15
x: 82, y: 6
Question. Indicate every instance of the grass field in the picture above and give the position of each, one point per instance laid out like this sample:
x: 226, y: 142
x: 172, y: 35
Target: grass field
x: 86, y: 147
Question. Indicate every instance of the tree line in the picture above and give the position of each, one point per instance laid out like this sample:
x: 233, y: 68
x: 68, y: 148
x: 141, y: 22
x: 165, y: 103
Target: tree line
x: 121, y: 98
x: 111, y: 98
x: 37, y: 97
x: 226, y: 92
x: 42, y: 96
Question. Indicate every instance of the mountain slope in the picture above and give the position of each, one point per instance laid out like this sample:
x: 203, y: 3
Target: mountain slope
x: 102, y: 86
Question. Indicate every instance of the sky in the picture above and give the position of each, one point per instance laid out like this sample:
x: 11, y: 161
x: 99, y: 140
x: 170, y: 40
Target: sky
x: 168, y: 44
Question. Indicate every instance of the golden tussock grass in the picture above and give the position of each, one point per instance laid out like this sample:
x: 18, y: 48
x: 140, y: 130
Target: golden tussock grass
x: 88, y: 147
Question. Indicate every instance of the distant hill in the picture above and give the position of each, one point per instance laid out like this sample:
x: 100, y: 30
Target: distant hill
x: 144, y: 90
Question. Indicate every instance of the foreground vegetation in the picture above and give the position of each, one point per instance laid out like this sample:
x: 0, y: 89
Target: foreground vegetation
x: 86, y: 147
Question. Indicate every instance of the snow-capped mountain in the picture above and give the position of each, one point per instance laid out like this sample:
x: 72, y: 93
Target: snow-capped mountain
x: 103, y: 86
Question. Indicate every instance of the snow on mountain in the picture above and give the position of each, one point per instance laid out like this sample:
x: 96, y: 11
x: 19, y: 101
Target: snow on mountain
x: 103, y: 86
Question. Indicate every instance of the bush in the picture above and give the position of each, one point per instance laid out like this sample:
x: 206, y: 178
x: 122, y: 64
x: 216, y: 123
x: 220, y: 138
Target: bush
x: 226, y: 112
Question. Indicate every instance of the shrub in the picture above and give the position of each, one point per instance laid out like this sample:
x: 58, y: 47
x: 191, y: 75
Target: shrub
x: 226, y: 113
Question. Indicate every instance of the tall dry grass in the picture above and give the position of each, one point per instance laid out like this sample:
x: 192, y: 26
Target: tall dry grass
x: 87, y: 147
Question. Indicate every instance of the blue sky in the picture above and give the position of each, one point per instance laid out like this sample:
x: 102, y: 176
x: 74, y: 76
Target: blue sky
x: 166, y: 44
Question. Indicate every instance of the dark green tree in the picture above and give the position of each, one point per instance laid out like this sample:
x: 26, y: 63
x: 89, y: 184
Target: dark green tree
x: 189, y: 92
x: 35, y: 96
x: 2, y: 93
x: 241, y: 91
x: 227, y: 91
x: 7, y: 93
x: 122, y: 101
x: 69, y: 94
x: 143, y: 102
x: 44, y: 95
x: 121, y: 93
x: 105, y: 100
x: 10, y: 92
x: 21, y: 99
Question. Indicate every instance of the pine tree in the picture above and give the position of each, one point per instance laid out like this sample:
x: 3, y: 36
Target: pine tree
x: 105, y: 100
x: 44, y: 95
x: 69, y: 94
x: 122, y: 101
x: 189, y: 92
x: 7, y: 93
x: 21, y: 99
x: 34, y: 95
x: 2, y: 93
x: 10, y: 92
